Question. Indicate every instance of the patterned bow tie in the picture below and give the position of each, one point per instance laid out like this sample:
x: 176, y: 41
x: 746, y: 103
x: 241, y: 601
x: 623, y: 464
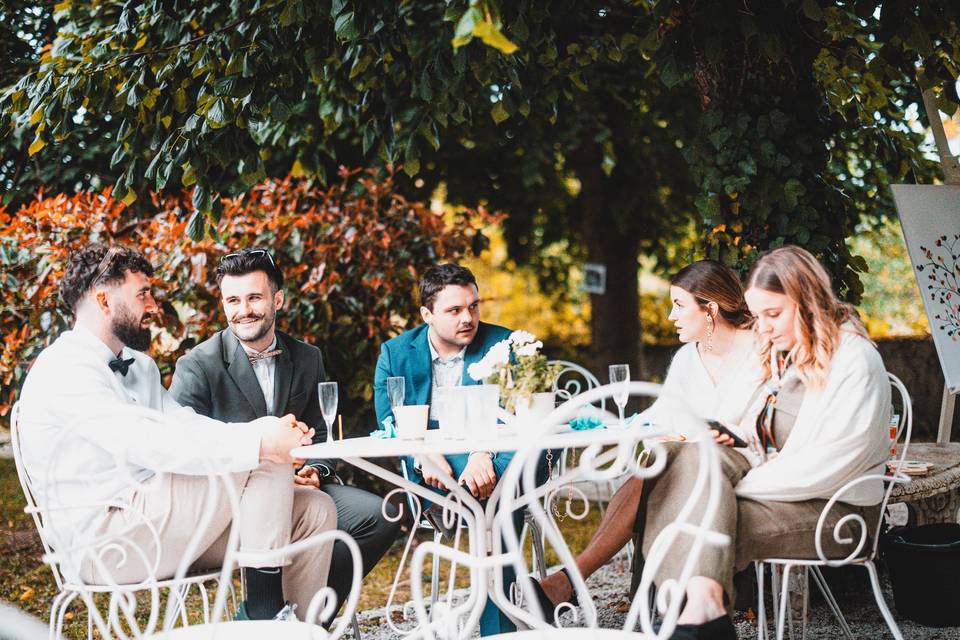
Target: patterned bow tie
x: 121, y: 365
x: 263, y: 355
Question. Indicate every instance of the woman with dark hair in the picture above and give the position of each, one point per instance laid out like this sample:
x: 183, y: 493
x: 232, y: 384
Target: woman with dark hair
x: 715, y: 374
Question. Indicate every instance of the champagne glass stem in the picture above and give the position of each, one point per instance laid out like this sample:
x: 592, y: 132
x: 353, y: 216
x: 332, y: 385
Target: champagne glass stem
x: 620, y: 409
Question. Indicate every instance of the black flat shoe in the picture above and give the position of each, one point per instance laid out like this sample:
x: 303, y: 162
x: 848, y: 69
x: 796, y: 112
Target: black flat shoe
x: 717, y: 629
x: 573, y: 590
x: 546, y: 604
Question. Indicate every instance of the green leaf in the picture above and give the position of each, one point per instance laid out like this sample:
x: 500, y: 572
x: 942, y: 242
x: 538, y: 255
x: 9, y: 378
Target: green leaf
x: 216, y: 115
x: 345, y: 28
x: 811, y: 9
x: 499, y: 112
x: 189, y: 177
x: 411, y: 166
x: 200, y: 199
x: 196, y: 226
x: 463, y: 32
x: 163, y: 175
x: 289, y: 14
x: 227, y: 86
x: 150, y: 173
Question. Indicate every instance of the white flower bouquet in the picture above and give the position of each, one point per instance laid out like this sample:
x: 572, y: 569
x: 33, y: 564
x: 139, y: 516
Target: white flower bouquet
x: 518, y: 367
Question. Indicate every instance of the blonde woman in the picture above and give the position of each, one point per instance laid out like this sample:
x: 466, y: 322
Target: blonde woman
x: 714, y: 375
x: 823, y: 423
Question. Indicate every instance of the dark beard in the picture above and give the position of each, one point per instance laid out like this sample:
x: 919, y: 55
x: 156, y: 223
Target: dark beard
x: 128, y: 330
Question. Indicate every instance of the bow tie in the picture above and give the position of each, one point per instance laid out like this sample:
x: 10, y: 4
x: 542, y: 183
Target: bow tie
x: 263, y: 355
x: 121, y: 365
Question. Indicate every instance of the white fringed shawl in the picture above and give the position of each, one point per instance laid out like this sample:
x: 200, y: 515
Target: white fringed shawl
x: 841, y: 433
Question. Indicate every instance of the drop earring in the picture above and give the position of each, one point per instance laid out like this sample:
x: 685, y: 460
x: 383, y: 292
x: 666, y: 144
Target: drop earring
x: 709, y: 342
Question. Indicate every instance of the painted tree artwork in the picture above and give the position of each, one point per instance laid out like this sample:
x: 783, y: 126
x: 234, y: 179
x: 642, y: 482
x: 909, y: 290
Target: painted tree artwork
x: 930, y: 219
x: 941, y: 272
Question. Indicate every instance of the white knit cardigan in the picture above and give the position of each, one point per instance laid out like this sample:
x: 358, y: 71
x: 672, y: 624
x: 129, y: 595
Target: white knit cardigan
x: 840, y: 433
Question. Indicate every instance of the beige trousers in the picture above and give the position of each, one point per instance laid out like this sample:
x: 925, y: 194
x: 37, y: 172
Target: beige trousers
x: 757, y: 529
x: 273, y: 512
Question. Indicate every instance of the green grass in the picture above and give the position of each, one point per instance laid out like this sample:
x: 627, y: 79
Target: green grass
x: 28, y: 583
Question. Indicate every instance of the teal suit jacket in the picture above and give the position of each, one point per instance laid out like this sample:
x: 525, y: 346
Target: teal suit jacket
x: 408, y: 356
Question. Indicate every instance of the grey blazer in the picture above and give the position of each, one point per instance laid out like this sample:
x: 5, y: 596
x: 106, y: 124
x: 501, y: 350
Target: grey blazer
x: 216, y: 379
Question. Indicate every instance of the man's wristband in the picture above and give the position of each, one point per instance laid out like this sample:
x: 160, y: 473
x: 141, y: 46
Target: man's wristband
x: 489, y: 453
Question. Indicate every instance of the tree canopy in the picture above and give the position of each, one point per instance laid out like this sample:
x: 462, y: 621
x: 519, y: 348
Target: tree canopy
x: 600, y: 127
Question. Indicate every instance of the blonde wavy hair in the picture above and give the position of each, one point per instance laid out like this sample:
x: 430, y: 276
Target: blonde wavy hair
x: 795, y: 273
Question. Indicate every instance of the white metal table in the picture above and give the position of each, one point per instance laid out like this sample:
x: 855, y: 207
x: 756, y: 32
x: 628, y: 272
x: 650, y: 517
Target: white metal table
x: 479, y: 520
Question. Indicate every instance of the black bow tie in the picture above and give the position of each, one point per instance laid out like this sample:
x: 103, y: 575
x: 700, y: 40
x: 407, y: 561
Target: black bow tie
x: 121, y: 365
x: 262, y: 355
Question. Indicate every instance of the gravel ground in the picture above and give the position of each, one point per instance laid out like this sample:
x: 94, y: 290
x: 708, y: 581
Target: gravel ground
x: 611, y: 584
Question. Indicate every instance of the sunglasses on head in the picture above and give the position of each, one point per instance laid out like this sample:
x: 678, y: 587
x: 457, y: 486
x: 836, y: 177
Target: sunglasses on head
x: 105, y: 263
x: 253, y: 253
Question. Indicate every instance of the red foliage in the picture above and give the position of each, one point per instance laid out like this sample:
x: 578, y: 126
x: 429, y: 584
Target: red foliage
x: 351, y: 254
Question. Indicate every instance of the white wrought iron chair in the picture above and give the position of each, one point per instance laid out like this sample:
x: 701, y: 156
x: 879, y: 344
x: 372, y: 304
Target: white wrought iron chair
x: 597, y: 461
x: 69, y: 587
x: 18, y: 625
x: 573, y: 380
x: 322, y: 606
x: 420, y: 522
x: 863, y: 555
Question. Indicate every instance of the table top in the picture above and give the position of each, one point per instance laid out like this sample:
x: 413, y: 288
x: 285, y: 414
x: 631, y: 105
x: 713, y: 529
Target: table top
x: 944, y: 476
x: 502, y: 439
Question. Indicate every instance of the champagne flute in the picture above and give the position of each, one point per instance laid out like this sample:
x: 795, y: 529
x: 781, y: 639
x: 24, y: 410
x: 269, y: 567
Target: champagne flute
x: 395, y: 391
x: 328, y: 405
x: 620, y: 373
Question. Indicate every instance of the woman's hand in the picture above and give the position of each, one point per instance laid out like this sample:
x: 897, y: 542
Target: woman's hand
x: 721, y: 438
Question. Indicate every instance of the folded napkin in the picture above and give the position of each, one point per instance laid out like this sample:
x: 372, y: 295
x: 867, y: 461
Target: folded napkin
x: 586, y: 423
x: 388, y: 430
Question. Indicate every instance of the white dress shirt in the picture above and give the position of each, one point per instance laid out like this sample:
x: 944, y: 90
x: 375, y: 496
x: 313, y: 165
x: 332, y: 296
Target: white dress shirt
x: 265, y: 369
x: 89, y: 435
x: 446, y: 373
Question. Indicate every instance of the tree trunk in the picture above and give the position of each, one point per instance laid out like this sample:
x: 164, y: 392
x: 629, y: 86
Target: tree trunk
x: 615, y: 314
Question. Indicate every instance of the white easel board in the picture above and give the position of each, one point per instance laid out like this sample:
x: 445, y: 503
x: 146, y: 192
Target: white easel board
x: 930, y: 219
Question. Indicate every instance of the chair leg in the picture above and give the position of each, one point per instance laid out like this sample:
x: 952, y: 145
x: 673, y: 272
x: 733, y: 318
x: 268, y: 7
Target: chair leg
x: 536, y: 537
x: 761, y: 605
x: 435, y: 576
x: 356, y: 626
x: 55, y: 614
x: 881, y: 603
x: 831, y: 601
x: 784, y: 600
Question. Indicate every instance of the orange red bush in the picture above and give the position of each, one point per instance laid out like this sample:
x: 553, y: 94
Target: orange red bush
x: 351, y: 254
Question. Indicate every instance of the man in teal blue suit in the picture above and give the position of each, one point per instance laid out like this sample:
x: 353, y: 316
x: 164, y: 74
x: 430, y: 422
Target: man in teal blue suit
x: 438, y: 353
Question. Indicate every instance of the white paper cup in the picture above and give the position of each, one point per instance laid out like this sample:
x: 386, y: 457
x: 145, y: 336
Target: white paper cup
x: 411, y: 421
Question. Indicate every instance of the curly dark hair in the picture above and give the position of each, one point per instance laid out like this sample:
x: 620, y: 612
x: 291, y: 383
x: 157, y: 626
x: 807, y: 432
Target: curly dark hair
x: 99, y: 263
x: 247, y: 261
x: 437, y: 277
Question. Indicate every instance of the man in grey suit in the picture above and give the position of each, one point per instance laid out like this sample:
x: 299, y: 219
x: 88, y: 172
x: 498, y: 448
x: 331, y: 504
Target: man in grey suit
x: 251, y: 370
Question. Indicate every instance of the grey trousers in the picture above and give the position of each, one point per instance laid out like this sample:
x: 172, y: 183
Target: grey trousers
x: 757, y: 529
x: 359, y: 514
x: 167, y: 509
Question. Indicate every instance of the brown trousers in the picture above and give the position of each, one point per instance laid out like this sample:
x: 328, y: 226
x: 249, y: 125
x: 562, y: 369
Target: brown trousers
x: 273, y: 513
x: 757, y: 529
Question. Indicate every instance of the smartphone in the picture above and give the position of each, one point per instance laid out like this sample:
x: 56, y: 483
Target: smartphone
x: 737, y: 440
